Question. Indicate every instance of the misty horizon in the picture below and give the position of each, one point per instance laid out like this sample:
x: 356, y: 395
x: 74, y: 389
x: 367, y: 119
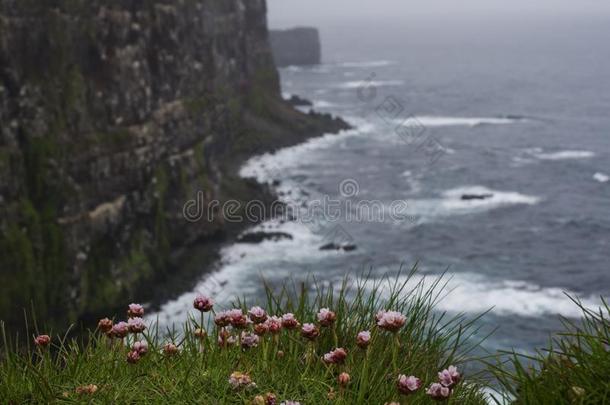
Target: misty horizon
x: 286, y: 13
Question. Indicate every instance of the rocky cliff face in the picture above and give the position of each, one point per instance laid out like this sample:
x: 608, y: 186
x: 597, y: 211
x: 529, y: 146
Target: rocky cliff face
x: 112, y: 115
x: 296, y: 46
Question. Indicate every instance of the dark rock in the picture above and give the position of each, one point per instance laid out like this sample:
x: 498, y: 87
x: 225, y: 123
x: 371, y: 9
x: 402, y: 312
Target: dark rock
x: 346, y: 247
x: 297, y: 101
x: 468, y: 197
x: 258, y: 237
x: 296, y: 47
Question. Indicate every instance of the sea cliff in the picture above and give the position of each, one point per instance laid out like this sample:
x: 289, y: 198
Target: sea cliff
x: 113, y: 114
x: 296, y: 46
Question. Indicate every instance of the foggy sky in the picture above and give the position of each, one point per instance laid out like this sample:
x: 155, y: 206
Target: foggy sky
x: 294, y: 12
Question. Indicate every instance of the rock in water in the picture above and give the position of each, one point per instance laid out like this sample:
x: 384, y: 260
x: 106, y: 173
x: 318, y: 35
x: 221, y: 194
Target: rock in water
x: 258, y: 237
x: 296, y: 46
x: 468, y: 197
x: 297, y: 101
x: 346, y: 247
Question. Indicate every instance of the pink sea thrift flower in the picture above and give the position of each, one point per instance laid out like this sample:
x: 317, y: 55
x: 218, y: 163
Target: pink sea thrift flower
x: 135, y: 311
x: 222, y: 319
x: 449, y: 377
x: 136, y: 325
x: 289, y: 321
x: 120, y: 330
x: 260, y: 328
x: 200, y: 333
x: 270, y: 398
x: 438, y: 392
x: 249, y: 340
x: 42, y: 340
x: 326, y: 317
x: 170, y: 349
x: 225, y: 338
x: 363, y: 339
x: 141, y: 347
x: 344, y: 379
x: 203, y: 304
x: 391, y: 321
x: 133, y: 357
x: 408, y: 385
x: 310, y: 331
x: 240, y: 380
x: 274, y: 324
x: 237, y: 319
x: 257, y: 315
x: 104, y: 325
x: 336, y: 356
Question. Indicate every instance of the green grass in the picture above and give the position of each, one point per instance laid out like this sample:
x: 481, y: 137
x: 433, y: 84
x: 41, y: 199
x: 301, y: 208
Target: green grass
x: 199, y: 373
x: 574, y: 369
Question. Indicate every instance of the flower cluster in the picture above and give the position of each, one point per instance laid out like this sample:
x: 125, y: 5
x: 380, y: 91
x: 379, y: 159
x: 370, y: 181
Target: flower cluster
x: 310, y: 331
x: 289, y: 321
x: 274, y: 324
x: 363, y: 339
x: 104, y: 325
x: 408, y: 385
x: 257, y: 315
x: 267, y: 399
x: 249, y: 340
x: 326, y: 317
x: 246, y: 330
x: 170, y: 349
x: 138, y: 350
x: 237, y: 318
x: 447, y: 380
x: 136, y: 325
x: 203, y: 304
x: 225, y: 339
x: 344, y: 379
x: 241, y: 380
x: 119, y: 330
x: 391, y: 321
x: 336, y: 356
x: 42, y: 340
x: 135, y: 311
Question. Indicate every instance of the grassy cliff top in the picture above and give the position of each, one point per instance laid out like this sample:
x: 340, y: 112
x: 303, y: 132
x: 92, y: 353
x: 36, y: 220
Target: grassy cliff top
x: 360, y: 343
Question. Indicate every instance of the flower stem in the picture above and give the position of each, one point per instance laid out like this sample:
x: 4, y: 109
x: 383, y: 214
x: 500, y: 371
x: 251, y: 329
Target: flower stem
x: 395, y: 348
x: 364, y: 379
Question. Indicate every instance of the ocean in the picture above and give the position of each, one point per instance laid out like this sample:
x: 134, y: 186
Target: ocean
x: 482, y: 148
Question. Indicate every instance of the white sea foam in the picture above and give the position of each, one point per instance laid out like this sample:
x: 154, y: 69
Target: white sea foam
x: 452, y: 199
x: 367, y: 64
x: 474, y: 293
x: 375, y: 83
x: 601, y: 177
x: 311, y: 68
x: 323, y: 104
x: 450, y: 203
x: 563, y: 155
x: 265, y: 167
x: 445, y: 121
